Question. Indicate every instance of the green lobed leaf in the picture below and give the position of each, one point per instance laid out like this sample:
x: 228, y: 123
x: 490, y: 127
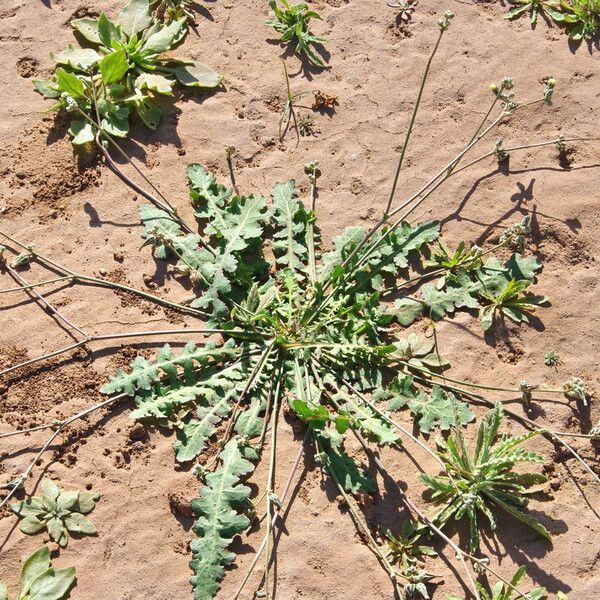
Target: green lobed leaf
x: 193, y: 434
x: 289, y: 242
x: 219, y: 520
x: 145, y: 373
x: 341, y: 466
x: 436, y: 410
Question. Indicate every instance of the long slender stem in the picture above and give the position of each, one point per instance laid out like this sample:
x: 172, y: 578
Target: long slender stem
x: 524, y: 147
x: 475, y: 385
x: 115, y: 336
x: 412, y: 121
x: 256, y: 372
x: 363, y: 529
x: 310, y: 228
x: 271, y: 481
x: 36, y: 284
x: 276, y: 512
x: 89, y: 279
x: 100, y: 131
x: 435, y: 181
x: 57, y: 313
x: 54, y: 435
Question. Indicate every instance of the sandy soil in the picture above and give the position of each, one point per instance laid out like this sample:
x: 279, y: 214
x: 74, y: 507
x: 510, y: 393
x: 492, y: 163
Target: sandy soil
x: 84, y: 217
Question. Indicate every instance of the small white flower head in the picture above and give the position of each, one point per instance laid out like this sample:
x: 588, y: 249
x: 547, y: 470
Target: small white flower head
x: 445, y: 22
x: 549, y: 89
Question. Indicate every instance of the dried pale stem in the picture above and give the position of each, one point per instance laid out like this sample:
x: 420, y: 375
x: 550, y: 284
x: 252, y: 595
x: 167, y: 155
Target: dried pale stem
x: 276, y: 518
x: 475, y: 385
x: 46, y: 303
x: 412, y: 121
x: 310, y: 229
x: 114, y: 336
x: 163, y: 204
x: 49, y: 441
x: 525, y: 147
x: 229, y: 157
x: 88, y: 279
x: 435, y: 181
x: 363, y: 529
x: 256, y: 371
x: 30, y: 286
x: 271, y: 481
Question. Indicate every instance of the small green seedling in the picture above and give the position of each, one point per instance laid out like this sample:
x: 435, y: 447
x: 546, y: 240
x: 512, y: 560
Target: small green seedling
x: 551, y: 8
x: 504, y: 591
x: 288, y: 116
x: 40, y: 581
x: 173, y: 10
x: 476, y: 483
x: 292, y: 22
x: 58, y: 511
x: 405, y: 550
x: 306, y: 126
x: 552, y: 359
x: 129, y: 69
x: 405, y: 9
x: 462, y: 259
x: 510, y: 302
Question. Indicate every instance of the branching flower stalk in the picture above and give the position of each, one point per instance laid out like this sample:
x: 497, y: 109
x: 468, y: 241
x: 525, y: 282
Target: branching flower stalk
x: 304, y: 331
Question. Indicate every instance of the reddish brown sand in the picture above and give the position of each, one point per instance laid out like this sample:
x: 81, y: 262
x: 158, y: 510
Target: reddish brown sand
x: 84, y: 217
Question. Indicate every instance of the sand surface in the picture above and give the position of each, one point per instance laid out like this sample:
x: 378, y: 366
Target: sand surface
x: 79, y: 213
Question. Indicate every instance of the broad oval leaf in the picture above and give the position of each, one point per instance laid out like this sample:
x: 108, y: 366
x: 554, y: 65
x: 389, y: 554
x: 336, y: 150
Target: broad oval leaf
x: 164, y: 39
x: 36, y: 564
x: 80, y: 59
x: 69, y: 83
x: 155, y: 82
x: 196, y: 75
x: 82, y: 132
x: 114, y: 66
x: 77, y: 523
x: 88, y: 28
x: 135, y: 17
x: 53, y: 584
x: 31, y: 525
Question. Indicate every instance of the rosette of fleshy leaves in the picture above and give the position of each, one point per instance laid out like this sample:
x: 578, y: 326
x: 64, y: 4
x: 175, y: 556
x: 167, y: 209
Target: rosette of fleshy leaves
x: 124, y: 72
x: 59, y: 511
